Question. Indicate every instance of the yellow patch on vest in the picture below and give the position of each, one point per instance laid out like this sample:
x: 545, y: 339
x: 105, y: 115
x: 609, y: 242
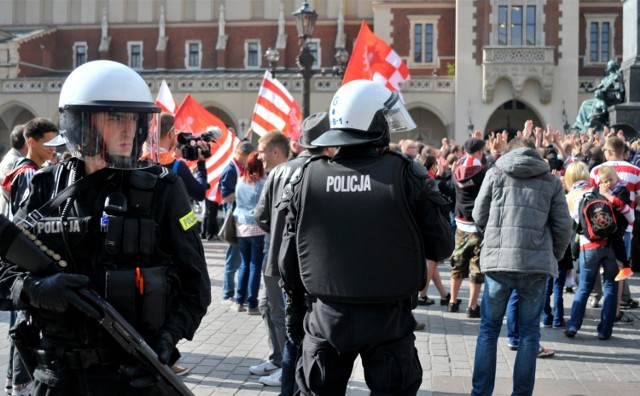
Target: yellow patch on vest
x: 189, y: 220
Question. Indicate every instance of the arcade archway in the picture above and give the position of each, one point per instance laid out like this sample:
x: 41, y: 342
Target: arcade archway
x: 511, y: 116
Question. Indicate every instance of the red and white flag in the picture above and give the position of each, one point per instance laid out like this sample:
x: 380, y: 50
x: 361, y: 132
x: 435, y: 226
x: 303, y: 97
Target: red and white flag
x: 375, y: 60
x: 165, y: 100
x: 192, y: 117
x: 276, y: 110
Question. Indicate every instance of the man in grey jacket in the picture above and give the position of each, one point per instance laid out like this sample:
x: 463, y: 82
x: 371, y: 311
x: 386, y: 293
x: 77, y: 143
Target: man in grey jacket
x: 523, y: 213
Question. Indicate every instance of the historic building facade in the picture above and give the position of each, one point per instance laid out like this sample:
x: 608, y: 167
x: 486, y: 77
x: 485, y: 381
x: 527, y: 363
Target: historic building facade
x: 475, y: 64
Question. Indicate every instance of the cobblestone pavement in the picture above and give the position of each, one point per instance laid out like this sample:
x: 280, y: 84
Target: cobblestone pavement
x: 228, y: 342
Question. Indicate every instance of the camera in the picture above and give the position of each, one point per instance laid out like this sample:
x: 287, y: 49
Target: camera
x: 189, y: 142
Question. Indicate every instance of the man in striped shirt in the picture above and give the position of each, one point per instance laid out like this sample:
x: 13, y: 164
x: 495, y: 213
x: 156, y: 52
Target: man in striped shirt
x: 614, y: 153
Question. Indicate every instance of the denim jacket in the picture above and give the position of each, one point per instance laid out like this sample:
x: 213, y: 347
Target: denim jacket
x: 247, y: 196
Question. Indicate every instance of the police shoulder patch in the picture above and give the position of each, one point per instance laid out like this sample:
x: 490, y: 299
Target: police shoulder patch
x: 188, y: 221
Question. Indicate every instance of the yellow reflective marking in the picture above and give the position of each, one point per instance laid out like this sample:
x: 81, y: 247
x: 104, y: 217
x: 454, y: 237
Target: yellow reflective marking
x: 189, y: 220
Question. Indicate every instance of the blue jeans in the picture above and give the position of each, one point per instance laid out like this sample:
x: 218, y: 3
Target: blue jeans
x: 554, y: 316
x: 512, y: 318
x: 231, y: 264
x: 497, y: 292
x: 590, y: 262
x: 288, y: 385
x: 252, y: 252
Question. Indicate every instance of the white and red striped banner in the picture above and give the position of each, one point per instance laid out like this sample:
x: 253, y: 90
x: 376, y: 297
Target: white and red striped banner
x: 276, y: 110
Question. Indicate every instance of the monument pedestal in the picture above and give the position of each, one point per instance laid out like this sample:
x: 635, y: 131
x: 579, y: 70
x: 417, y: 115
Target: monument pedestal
x: 626, y: 114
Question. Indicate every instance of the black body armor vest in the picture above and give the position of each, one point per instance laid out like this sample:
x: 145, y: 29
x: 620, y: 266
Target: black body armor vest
x: 357, y: 239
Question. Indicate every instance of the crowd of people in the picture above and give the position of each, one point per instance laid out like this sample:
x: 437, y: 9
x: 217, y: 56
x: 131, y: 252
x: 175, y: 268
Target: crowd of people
x: 326, y: 252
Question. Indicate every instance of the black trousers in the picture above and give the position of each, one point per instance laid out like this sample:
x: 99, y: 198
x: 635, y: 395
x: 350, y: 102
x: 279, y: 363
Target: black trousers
x: 210, y: 226
x: 336, y: 333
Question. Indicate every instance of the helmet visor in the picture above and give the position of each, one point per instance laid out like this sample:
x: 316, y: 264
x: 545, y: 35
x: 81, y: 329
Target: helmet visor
x: 111, y: 139
x: 397, y: 115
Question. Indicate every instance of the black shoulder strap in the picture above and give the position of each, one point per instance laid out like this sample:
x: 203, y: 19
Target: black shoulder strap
x: 83, y: 184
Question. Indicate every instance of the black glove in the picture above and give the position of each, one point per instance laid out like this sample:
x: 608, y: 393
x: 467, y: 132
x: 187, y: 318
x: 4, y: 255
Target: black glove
x: 293, y: 322
x: 57, y: 293
x: 164, y: 346
x: 139, y: 376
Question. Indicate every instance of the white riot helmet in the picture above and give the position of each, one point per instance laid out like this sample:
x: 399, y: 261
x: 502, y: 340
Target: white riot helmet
x: 363, y: 112
x: 105, y: 115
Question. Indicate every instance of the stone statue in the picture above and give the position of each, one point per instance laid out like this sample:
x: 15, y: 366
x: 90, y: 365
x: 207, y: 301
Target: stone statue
x: 593, y: 113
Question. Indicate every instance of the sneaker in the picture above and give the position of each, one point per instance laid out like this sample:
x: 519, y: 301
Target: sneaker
x: 420, y: 326
x: 454, y: 307
x: 253, y: 311
x: 570, y: 332
x: 630, y: 304
x: 237, y: 307
x: 623, y: 274
x: 8, y: 386
x: 473, y: 313
x: 275, y: 379
x: 623, y: 319
x: 264, y: 368
x: 227, y: 302
x: 562, y: 325
x: 513, y: 347
x: 22, y: 390
x: 594, y: 302
x: 546, y: 326
x: 545, y: 353
x: 180, y: 370
x: 568, y: 289
x: 446, y: 300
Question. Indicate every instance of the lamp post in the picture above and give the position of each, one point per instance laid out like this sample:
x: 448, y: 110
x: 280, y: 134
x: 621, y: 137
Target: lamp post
x: 272, y: 55
x: 342, y: 58
x: 305, y: 22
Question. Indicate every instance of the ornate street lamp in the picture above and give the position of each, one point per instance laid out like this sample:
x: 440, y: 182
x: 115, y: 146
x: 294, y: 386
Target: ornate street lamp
x: 342, y: 58
x: 305, y: 22
x: 272, y: 55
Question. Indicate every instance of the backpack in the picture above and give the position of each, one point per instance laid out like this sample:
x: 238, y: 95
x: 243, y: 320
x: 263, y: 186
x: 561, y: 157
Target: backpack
x: 597, y: 216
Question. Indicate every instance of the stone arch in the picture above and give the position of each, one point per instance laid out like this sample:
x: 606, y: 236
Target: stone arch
x: 430, y: 127
x: 223, y: 114
x: 12, y: 114
x: 511, y: 116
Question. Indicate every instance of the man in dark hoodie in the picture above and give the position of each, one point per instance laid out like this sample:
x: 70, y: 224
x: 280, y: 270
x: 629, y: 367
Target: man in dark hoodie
x: 465, y: 258
x: 522, y: 212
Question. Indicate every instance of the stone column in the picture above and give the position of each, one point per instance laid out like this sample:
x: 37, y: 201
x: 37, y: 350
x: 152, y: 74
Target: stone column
x: 631, y: 49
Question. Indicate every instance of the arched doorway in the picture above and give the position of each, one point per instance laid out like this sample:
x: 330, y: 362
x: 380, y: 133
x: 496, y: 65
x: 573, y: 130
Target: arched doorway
x: 511, y: 116
x: 223, y: 116
x: 430, y: 129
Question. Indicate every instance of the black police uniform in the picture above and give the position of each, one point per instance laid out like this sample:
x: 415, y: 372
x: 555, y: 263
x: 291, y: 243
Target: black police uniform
x: 358, y: 229
x: 146, y: 260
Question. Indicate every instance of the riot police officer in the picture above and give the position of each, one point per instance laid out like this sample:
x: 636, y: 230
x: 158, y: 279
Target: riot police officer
x: 358, y: 230
x: 126, y: 231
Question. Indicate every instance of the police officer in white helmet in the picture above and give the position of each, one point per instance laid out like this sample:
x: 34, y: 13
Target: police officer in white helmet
x: 359, y: 228
x: 126, y: 231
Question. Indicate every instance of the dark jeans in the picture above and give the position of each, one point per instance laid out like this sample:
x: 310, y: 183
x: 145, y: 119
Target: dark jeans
x: 251, y: 252
x: 288, y: 385
x: 555, y: 286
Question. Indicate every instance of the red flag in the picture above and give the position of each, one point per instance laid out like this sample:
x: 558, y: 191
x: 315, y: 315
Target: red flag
x: 276, y: 110
x: 192, y: 117
x: 375, y: 60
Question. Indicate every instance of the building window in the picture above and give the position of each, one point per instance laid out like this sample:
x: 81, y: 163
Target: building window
x: 253, y: 53
x: 316, y: 51
x: 135, y: 54
x: 600, y: 34
x: 518, y: 24
x: 79, y: 54
x: 423, y: 41
x: 194, y: 54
